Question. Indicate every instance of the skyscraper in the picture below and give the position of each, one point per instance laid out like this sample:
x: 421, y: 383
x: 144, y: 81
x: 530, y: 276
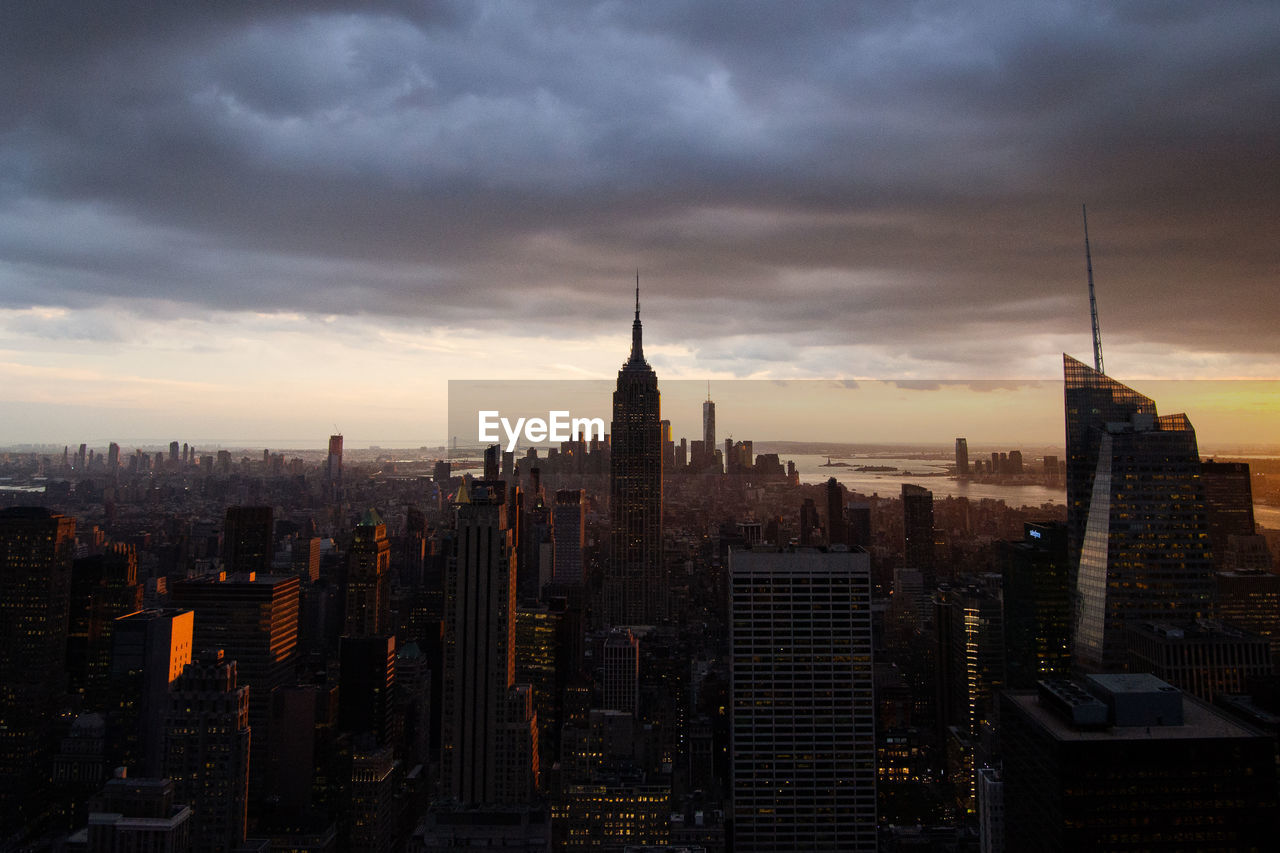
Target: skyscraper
x: 150, y: 649
x: 634, y: 593
x: 489, y: 741
x: 368, y: 610
x: 247, y: 539
x: 568, y: 528
x: 36, y: 550
x: 803, y: 726
x: 1091, y: 400
x: 207, y: 751
x: 1145, y: 554
x: 917, y: 531
x: 709, y: 422
x: 621, y: 671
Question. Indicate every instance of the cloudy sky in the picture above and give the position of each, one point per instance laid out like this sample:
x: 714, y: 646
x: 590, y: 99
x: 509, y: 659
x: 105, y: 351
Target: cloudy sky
x: 260, y: 221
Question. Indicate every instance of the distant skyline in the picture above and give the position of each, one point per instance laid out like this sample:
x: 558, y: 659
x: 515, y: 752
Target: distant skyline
x: 265, y: 222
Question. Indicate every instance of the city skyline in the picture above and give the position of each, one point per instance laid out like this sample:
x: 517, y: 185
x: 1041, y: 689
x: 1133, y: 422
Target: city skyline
x: 259, y: 222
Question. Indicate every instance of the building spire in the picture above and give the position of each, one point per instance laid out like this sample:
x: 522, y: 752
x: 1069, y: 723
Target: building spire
x: 637, y: 348
x: 1093, y: 303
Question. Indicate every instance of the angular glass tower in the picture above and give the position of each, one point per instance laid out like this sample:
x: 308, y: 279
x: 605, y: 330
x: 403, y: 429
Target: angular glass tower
x: 1145, y: 552
x: 1091, y: 400
x: 634, y: 593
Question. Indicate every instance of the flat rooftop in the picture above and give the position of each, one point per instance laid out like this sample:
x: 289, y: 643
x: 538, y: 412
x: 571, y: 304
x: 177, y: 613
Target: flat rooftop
x: 1200, y: 721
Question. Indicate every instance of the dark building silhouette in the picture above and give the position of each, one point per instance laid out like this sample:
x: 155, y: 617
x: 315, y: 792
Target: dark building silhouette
x: 36, y: 551
x: 1037, y: 605
x: 207, y: 751
x: 1228, y: 499
x: 634, y: 593
x: 1126, y: 762
x: 568, y: 532
x: 139, y: 815
x: 149, y: 651
x: 917, y: 531
x: 962, y: 458
x: 837, y: 530
x: 366, y: 695
x: 247, y: 539
x: 368, y: 598
x: 489, y: 743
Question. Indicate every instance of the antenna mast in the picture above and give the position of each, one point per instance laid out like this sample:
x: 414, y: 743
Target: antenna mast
x: 1093, y: 302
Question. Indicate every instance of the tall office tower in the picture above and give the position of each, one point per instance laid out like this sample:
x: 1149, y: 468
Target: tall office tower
x: 837, y: 530
x: 367, y: 683
x: 173, y: 454
x: 374, y: 813
x: 81, y: 460
x: 962, y: 458
x: 103, y: 587
x: 621, y: 671
x: 333, y: 463
x: 247, y: 539
x: 254, y: 620
x: 568, y: 532
x: 709, y: 422
x: 113, y: 458
x: 149, y: 651
x: 859, y: 518
x: 489, y: 746
x: 492, y: 461
x: 1145, y: 555
x: 36, y: 550
x: 810, y: 524
x: 207, y: 751
x: 917, y: 531
x: 668, y: 446
x: 1126, y: 762
x: 803, y: 726
x: 138, y: 814
x: 970, y: 634
x: 1228, y: 499
x: 634, y: 590
x: 1037, y: 605
x: 368, y: 611
x: 1091, y: 401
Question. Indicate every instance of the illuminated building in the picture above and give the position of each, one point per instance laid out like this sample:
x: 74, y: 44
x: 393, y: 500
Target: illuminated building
x: 254, y: 620
x: 368, y: 599
x: 538, y: 635
x: 36, y: 550
x: 1145, y: 556
x: 207, y: 751
x: 613, y: 814
x: 489, y: 739
x: 149, y: 651
x: 634, y: 591
x: 803, y: 716
x: 1126, y: 762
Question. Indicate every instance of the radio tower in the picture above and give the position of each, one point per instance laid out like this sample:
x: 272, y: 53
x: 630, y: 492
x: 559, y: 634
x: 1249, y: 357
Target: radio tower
x: 1093, y: 302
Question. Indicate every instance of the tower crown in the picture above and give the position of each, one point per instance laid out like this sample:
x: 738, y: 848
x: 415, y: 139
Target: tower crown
x: 637, y: 347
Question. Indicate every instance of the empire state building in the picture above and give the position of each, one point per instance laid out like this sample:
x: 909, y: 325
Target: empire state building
x: 634, y: 592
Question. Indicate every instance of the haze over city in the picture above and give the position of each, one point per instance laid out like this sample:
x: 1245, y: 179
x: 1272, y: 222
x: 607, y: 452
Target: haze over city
x: 260, y: 222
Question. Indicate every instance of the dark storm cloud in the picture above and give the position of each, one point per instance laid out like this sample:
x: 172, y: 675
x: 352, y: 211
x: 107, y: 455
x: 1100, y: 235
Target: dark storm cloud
x: 879, y: 173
